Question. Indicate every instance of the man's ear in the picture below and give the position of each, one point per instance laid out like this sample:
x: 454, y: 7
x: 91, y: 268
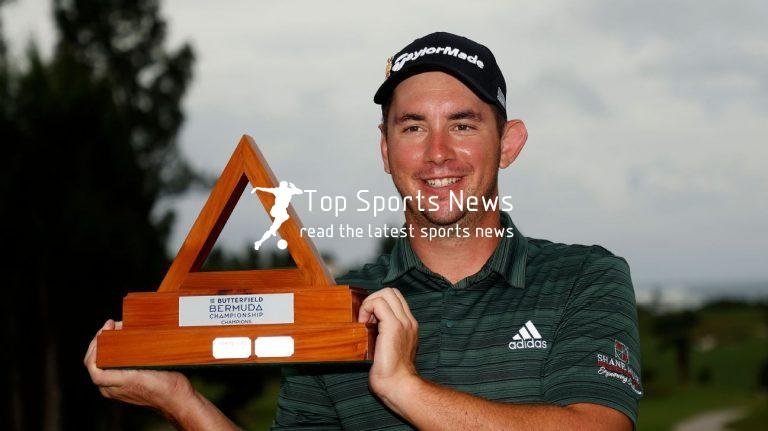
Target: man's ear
x: 512, y: 142
x: 383, y: 144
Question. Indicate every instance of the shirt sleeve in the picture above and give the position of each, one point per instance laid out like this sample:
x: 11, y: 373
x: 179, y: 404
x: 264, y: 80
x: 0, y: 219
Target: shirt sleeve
x: 595, y: 356
x: 304, y: 404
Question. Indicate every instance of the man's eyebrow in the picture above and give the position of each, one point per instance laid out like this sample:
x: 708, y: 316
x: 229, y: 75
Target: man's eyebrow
x: 409, y: 117
x: 466, y: 114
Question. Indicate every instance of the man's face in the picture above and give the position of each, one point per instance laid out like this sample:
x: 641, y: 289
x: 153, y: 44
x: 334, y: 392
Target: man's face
x: 441, y: 138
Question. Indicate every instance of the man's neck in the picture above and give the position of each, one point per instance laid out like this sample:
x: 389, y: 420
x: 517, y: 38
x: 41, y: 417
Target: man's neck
x: 456, y: 258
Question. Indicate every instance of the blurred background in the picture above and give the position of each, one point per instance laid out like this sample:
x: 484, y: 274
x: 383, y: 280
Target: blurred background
x: 647, y: 136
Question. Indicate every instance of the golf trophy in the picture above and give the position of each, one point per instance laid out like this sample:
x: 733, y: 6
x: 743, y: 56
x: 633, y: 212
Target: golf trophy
x: 200, y: 318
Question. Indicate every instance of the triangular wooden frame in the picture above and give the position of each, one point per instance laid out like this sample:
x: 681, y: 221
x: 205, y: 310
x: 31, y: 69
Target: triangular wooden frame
x: 322, y: 326
x: 246, y: 165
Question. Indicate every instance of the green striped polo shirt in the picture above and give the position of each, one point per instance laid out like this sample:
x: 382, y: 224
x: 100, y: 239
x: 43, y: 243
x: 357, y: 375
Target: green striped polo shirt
x: 541, y: 322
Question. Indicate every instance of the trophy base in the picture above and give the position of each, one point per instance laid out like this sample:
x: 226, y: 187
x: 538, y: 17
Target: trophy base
x: 243, y: 344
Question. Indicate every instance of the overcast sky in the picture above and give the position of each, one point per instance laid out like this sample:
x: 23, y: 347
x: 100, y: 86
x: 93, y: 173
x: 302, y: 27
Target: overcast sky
x: 648, y: 131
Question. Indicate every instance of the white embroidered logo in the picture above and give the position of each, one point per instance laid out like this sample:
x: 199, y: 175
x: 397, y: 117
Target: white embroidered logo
x: 528, y: 337
x: 429, y: 50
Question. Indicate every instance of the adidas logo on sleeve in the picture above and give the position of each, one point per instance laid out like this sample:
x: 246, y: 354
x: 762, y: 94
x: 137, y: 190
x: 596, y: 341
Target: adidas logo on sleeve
x: 527, y: 337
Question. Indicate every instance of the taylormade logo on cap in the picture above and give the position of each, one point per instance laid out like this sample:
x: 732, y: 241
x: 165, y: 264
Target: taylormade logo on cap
x: 447, y: 50
x: 468, y: 61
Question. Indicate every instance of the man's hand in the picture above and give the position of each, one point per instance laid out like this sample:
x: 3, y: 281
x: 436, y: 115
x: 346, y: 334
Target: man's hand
x: 167, y: 391
x: 158, y: 389
x: 429, y: 406
x: 393, y: 362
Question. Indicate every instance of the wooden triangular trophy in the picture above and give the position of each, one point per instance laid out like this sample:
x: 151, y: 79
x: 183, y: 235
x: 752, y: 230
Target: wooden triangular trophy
x: 239, y: 317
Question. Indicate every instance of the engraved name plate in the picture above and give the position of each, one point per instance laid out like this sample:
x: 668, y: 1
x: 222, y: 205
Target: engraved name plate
x: 231, y: 347
x: 220, y: 310
x: 273, y: 347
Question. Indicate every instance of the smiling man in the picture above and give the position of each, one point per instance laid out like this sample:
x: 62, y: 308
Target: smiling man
x: 476, y: 331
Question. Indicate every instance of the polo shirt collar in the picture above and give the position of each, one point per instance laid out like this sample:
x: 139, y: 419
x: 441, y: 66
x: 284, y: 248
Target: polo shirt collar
x: 508, y: 260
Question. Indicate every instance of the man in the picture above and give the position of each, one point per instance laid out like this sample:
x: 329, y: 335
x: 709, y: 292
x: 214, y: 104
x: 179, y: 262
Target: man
x: 478, y: 331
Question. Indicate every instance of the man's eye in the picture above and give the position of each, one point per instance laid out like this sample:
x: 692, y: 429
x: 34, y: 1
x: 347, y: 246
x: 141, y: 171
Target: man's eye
x: 411, y: 129
x: 463, y: 127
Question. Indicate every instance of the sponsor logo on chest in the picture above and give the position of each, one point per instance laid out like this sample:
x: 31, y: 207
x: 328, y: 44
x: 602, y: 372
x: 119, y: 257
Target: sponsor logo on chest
x: 528, y: 337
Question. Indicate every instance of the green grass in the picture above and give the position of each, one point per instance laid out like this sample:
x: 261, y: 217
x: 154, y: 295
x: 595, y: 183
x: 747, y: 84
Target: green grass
x: 662, y: 413
x: 756, y: 418
x: 723, y: 377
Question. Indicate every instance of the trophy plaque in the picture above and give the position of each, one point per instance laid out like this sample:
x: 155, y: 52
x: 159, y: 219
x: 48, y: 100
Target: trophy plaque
x: 200, y: 318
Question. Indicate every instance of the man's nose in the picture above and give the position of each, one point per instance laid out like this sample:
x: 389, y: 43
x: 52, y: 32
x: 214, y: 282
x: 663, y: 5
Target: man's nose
x: 438, y: 147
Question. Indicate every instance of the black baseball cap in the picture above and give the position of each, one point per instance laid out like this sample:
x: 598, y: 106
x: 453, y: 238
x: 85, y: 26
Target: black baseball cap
x: 468, y: 61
